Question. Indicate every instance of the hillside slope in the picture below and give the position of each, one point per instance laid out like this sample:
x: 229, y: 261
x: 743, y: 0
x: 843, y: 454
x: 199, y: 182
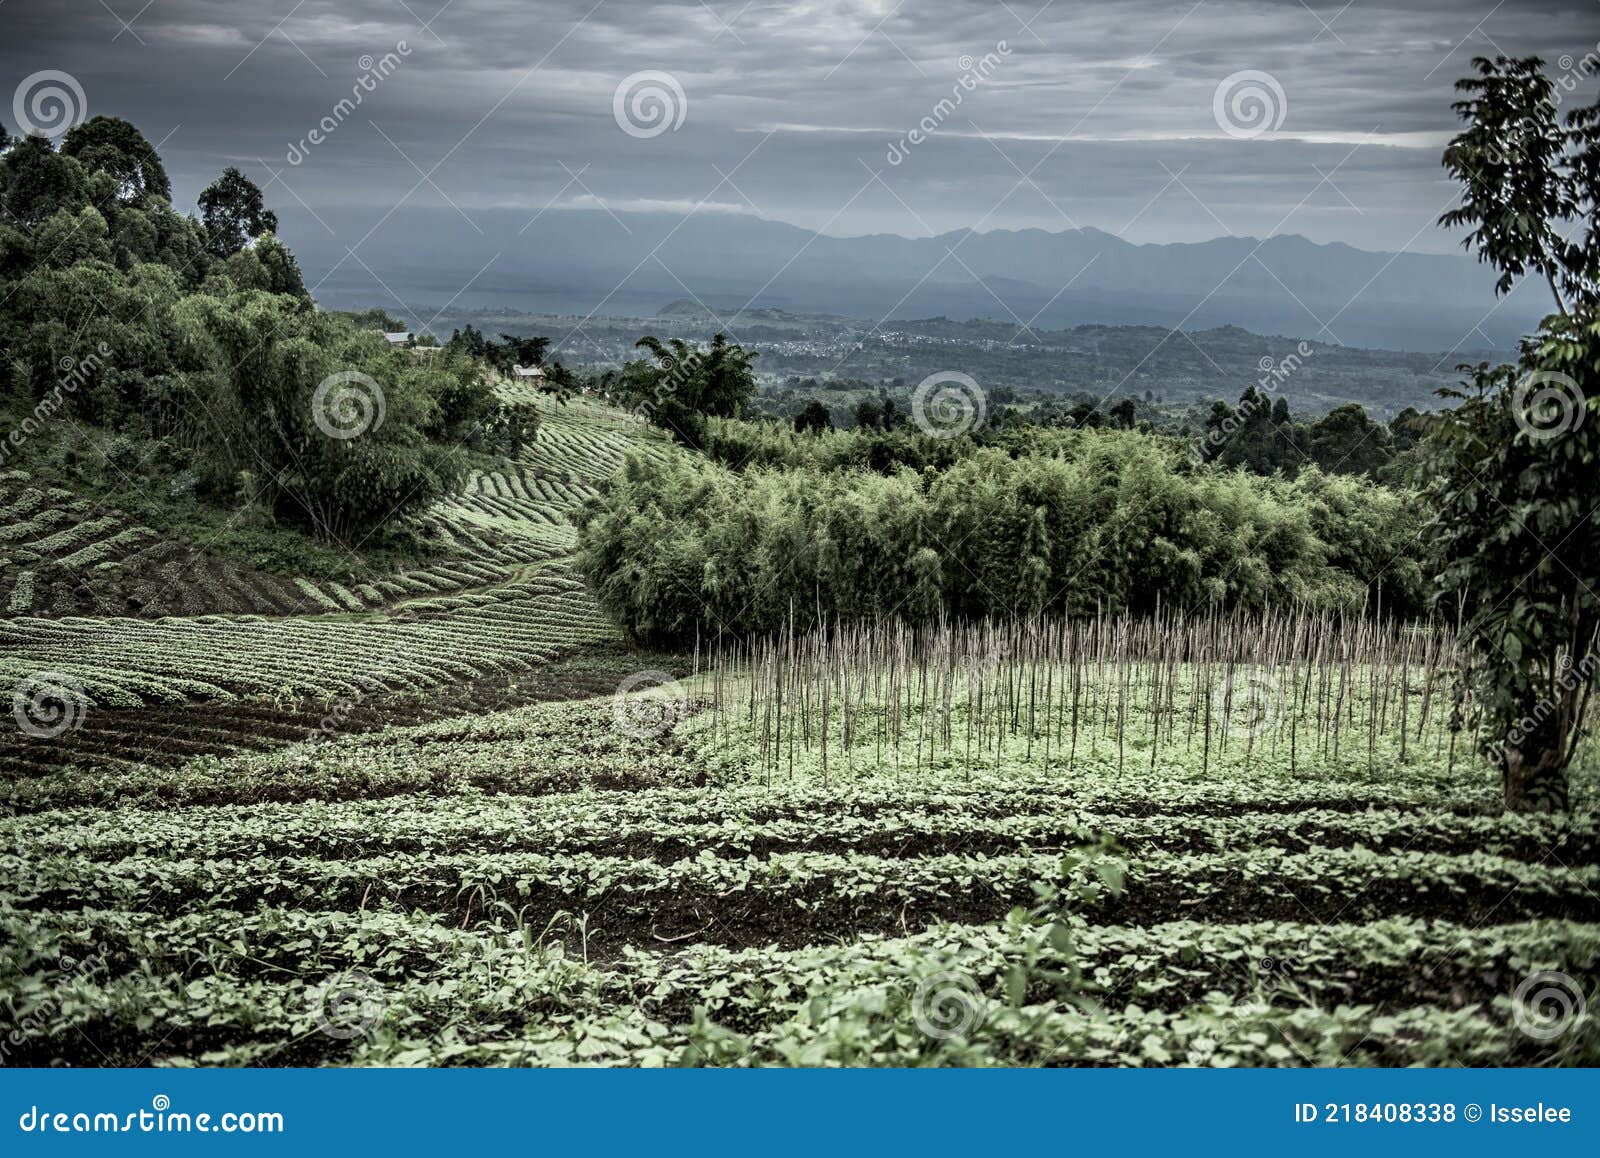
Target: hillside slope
x: 150, y: 635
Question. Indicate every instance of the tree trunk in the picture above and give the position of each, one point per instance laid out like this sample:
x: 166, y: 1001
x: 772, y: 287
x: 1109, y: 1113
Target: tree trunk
x: 1534, y: 769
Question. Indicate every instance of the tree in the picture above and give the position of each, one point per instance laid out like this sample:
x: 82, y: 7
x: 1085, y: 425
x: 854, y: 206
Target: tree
x: 112, y: 145
x: 1122, y: 414
x: 869, y: 414
x: 892, y: 418
x: 814, y: 418
x: 524, y: 351
x: 1526, y: 178
x: 36, y: 181
x: 684, y: 385
x: 1513, y: 472
x: 233, y: 212
x: 1345, y: 440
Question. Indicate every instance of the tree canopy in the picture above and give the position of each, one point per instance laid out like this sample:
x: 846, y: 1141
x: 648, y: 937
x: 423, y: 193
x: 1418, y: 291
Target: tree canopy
x: 1512, y: 473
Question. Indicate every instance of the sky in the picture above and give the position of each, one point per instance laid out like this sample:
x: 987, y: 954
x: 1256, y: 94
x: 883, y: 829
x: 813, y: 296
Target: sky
x: 1158, y: 121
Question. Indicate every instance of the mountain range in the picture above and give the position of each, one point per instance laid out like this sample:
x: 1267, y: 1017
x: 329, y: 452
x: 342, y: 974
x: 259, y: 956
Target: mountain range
x: 583, y: 261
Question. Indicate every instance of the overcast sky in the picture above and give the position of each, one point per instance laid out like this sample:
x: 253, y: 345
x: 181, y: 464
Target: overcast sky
x: 1073, y: 114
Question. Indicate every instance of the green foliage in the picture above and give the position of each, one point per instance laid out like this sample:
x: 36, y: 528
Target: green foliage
x: 683, y: 385
x: 1510, y: 474
x: 1514, y: 521
x: 510, y: 909
x: 112, y: 146
x: 233, y: 212
x: 117, y: 312
x: 1090, y: 519
x: 268, y: 355
x: 813, y: 419
x: 1526, y: 179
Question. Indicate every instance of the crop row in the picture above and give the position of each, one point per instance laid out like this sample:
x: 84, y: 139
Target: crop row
x: 797, y: 898
x: 646, y: 825
x: 1167, y: 965
x: 120, y: 987
x: 130, y: 662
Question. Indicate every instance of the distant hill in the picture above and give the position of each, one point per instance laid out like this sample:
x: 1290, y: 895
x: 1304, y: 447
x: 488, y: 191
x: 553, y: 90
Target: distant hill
x: 1103, y: 361
x: 583, y: 262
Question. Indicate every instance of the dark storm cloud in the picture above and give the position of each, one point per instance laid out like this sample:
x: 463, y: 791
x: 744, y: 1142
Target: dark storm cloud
x: 1107, y: 106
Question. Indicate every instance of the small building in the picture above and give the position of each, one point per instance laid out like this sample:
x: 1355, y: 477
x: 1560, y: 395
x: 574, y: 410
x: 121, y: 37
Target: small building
x: 401, y: 338
x: 527, y: 373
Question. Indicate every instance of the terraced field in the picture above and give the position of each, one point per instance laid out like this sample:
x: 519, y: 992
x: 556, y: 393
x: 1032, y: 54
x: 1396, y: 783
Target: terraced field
x: 113, y: 615
x: 549, y: 886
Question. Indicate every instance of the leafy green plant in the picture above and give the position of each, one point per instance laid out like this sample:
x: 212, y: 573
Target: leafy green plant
x: 1511, y: 471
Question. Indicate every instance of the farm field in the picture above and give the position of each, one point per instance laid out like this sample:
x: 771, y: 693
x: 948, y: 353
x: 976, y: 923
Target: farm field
x: 272, y: 657
x: 707, y: 872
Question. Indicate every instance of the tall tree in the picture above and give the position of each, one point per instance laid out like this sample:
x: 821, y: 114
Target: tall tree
x: 112, y: 145
x: 1513, y: 472
x: 813, y: 418
x: 233, y: 212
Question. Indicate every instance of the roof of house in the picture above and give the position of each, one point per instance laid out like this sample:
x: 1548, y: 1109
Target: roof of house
x: 528, y: 371
x: 399, y: 338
